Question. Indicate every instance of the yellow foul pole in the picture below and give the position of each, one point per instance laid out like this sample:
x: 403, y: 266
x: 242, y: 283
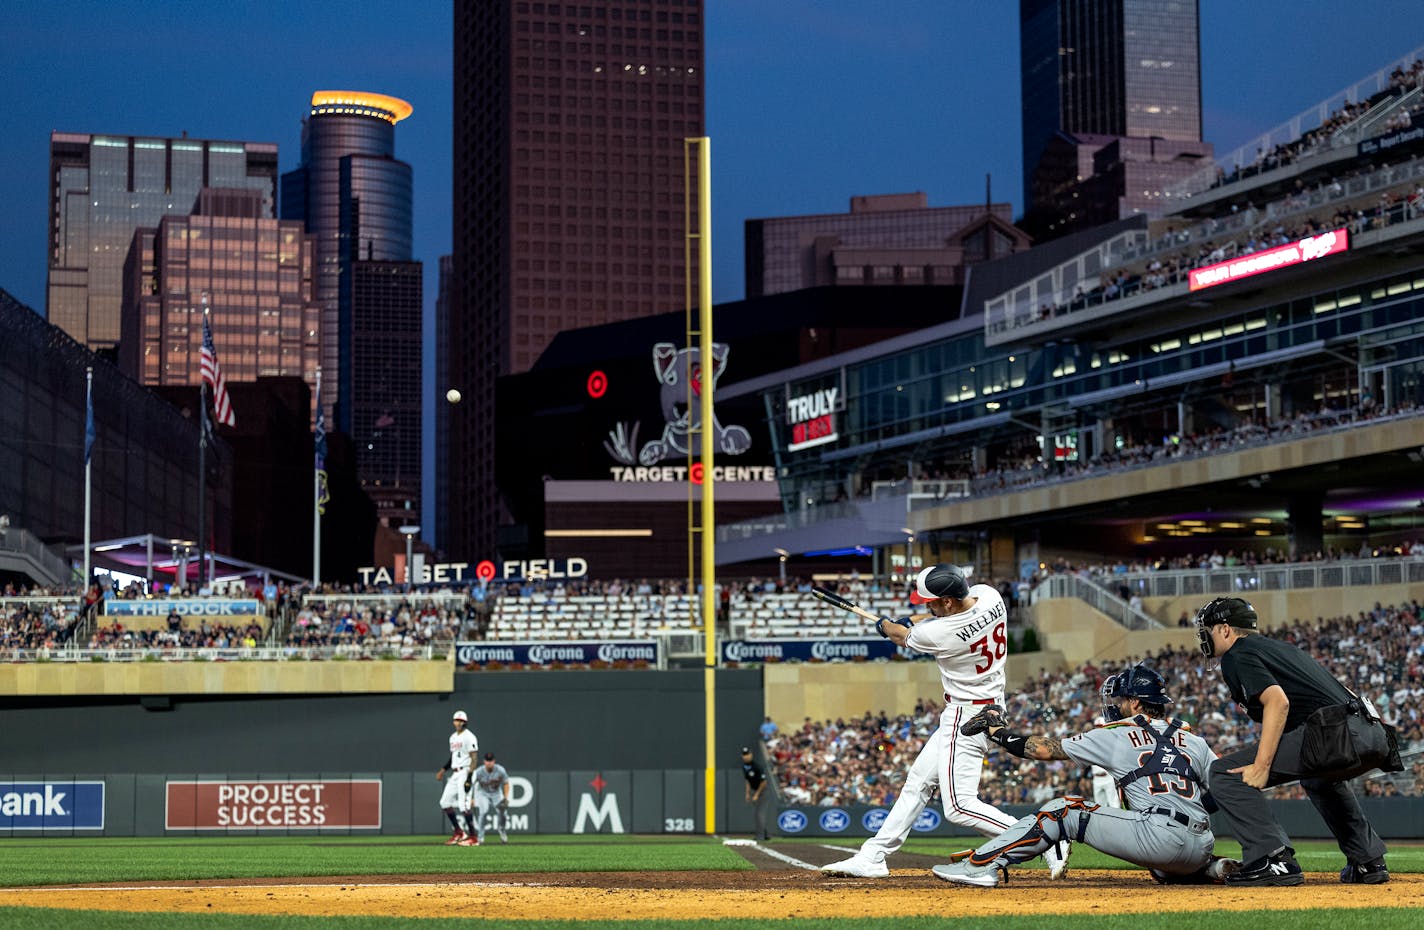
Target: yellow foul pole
x: 709, y: 438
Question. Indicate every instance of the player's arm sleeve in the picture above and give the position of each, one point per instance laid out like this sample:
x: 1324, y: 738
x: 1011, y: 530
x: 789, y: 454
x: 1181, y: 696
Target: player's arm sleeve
x: 1088, y: 749
x: 929, y: 638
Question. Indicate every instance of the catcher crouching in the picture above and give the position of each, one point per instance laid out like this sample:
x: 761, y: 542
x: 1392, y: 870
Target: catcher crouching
x: 1158, y: 764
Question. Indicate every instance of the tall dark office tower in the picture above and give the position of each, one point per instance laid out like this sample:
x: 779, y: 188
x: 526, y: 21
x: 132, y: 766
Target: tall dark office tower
x: 355, y: 198
x: 569, y: 123
x: 102, y: 188
x: 1094, y: 74
x: 437, y: 518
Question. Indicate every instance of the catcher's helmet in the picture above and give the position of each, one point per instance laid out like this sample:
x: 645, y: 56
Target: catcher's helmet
x: 1231, y: 610
x: 1141, y: 682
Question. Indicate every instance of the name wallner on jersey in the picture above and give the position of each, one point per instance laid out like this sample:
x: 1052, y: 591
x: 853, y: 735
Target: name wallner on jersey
x: 989, y: 619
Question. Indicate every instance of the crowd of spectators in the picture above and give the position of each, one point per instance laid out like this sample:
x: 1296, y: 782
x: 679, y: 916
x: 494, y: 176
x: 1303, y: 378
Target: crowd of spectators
x: 864, y: 759
x: 203, y: 635
x: 34, y: 627
x: 398, y: 628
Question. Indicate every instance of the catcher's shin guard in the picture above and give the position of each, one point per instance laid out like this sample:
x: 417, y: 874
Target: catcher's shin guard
x: 1060, y: 819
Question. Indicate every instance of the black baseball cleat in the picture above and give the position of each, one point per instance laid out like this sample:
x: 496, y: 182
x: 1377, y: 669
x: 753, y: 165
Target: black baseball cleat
x: 1280, y: 869
x: 1365, y: 873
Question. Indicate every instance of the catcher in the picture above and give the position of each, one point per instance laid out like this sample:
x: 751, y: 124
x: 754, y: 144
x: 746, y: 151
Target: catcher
x: 1158, y: 763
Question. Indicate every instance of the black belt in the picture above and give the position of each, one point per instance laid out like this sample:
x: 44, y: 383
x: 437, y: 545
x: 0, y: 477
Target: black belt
x: 1178, y: 816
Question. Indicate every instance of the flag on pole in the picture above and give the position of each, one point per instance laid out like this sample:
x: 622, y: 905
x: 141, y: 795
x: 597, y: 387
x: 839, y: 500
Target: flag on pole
x: 212, y: 377
x: 89, y: 433
x: 323, y: 492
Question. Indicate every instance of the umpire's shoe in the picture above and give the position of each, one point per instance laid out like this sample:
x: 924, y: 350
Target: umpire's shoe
x: 1279, y: 868
x: 1365, y: 873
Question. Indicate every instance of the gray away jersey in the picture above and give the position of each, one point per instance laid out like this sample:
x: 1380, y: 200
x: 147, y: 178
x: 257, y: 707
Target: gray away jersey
x: 1123, y: 745
x: 491, y: 781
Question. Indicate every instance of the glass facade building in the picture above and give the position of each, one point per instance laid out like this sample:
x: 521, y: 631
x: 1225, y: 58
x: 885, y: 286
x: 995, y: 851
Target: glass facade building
x: 102, y: 188
x: 355, y: 197
x: 569, y: 194
x: 257, y: 273
x: 1096, y: 70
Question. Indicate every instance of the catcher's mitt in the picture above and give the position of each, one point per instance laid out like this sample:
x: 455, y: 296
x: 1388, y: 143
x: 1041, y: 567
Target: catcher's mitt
x: 991, y: 716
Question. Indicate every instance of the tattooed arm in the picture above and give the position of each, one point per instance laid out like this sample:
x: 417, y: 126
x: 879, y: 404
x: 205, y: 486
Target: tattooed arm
x: 1041, y: 748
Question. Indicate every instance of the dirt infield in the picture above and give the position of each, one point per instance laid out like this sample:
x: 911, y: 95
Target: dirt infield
x: 770, y: 892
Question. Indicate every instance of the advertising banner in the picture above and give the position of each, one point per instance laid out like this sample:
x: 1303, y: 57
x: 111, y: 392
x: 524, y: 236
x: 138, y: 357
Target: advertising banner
x: 205, y: 607
x: 273, y: 804
x: 807, y: 650
x: 52, y: 805
x: 1284, y: 256
x: 1392, y: 140
x: 568, y: 653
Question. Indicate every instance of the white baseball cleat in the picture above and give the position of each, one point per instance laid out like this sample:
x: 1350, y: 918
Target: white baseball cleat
x: 857, y: 866
x: 965, y: 872
x: 503, y: 837
x: 1056, y: 858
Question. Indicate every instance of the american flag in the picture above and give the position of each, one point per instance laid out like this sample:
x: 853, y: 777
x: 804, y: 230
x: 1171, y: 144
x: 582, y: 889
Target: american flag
x: 212, y: 377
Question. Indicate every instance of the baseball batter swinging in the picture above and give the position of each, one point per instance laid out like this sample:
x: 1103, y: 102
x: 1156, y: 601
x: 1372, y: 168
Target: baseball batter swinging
x: 491, y: 798
x: 966, y: 630
x: 455, y: 799
x: 1159, y: 764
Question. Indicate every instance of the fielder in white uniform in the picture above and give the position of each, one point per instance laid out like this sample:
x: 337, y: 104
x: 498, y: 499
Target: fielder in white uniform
x: 1158, y: 763
x: 491, y: 797
x: 455, y: 799
x: 966, y: 631
x: 1105, y: 791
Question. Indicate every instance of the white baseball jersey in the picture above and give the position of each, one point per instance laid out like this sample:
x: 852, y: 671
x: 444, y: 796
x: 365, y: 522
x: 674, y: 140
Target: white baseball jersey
x: 463, y: 747
x: 970, y: 647
x: 491, y: 781
x: 1123, y: 746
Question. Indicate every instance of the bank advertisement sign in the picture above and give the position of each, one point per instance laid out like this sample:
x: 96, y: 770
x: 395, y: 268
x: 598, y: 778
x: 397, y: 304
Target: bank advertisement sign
x: 288, y: 804
x: 559, y: 653
x: 51, y: 805
x: 813, y: 650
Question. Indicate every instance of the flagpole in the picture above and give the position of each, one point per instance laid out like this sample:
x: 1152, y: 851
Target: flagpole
x: 88, y: 467
x: 202, y: 465
x: 316, y: 495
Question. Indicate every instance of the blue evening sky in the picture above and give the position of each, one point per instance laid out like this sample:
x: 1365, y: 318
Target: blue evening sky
x: 809, y: 102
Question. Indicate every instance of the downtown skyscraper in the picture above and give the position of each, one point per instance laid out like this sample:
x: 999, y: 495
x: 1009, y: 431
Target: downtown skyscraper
x: 569, y: 196
x: 1112, y: 112
x: 103, y: 187
x: 355, y: 197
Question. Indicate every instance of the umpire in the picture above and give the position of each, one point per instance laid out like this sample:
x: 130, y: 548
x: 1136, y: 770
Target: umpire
x: 1312, y: 728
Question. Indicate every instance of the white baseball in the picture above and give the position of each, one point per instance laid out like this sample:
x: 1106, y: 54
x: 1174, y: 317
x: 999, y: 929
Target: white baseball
x: 453, y: 396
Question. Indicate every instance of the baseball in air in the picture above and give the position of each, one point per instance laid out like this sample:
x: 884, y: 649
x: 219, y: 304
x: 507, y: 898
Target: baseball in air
x: 453, y: 396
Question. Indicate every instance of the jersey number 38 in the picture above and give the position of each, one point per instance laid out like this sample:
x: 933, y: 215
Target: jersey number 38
x: 991, y: 654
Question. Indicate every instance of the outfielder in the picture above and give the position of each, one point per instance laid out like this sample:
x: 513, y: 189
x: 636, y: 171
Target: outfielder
x: 490, y: 798
x: 1159, y: 764
x: 966, y: 631
x: 455, y: 799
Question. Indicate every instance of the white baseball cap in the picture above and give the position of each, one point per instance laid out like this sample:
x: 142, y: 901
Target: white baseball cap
x: 460, y: 715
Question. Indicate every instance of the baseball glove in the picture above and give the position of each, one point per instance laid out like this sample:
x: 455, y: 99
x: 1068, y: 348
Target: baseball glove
x: 469, y: 780
x: 504, y: 804
x: 991, y: 716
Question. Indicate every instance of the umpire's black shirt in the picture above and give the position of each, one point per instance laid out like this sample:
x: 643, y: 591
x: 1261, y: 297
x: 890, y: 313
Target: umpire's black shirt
x: 753, y: 773
x: 1254, y: 663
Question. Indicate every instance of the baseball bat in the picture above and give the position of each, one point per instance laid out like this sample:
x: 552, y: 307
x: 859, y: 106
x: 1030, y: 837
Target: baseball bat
x: 835, y: 600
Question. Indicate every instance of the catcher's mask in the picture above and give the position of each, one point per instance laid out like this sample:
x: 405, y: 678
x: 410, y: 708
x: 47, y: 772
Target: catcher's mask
x: 1140, y: 682
x: 1234, y: 611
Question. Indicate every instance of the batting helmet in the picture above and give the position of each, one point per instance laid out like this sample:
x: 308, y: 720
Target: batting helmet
x: 1140, y: 682
x: 1230, y: 610
x: 939, y: 581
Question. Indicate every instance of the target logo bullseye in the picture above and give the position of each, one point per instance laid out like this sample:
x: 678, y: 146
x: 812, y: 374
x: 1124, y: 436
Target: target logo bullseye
x: 695, y: 473
x: 597, y: 384
x: 485, y: 570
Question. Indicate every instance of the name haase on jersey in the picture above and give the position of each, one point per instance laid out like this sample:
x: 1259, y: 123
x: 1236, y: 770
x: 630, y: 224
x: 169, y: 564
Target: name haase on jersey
x: 52, y: 805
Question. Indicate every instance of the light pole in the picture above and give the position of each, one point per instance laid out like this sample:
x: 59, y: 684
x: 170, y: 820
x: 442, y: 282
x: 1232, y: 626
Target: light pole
x: 781, y: 554
x: 909, y: 551
x: 410, y: 531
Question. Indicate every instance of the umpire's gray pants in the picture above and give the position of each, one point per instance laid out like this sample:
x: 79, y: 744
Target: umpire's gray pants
x: 1250, y: 816
x: 1151, y: 840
